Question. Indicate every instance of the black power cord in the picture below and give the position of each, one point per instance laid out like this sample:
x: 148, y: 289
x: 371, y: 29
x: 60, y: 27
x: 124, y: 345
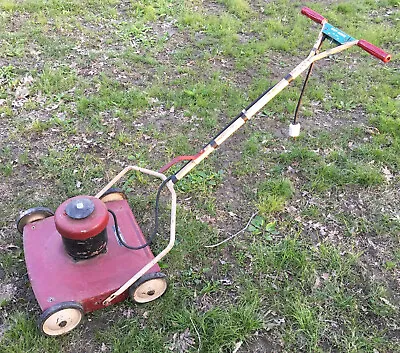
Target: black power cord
x: 305, y: 84
x: 156, y: 221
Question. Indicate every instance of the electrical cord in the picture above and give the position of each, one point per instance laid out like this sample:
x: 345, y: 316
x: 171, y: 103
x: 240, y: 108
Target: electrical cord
x: 156, y: 221
x: 305, y: 83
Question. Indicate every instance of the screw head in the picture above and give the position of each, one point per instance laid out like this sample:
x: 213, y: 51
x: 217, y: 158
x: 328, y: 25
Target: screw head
x: 80, y: 208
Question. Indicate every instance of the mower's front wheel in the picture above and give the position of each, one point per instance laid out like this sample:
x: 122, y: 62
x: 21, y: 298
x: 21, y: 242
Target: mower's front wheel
x: 60, y: 318
x: 148, y: 287
x: 113, y: 194
x: 32, y: 215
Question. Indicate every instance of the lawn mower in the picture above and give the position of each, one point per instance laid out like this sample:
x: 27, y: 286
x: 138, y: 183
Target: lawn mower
x: 91, y: 252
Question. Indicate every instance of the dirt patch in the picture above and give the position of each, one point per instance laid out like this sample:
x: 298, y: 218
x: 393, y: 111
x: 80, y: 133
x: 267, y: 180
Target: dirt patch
x: 262, y: 344
x: 7, y: 291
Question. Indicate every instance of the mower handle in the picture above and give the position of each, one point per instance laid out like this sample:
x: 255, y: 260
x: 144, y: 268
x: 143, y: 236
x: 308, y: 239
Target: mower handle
x: 363, y: 44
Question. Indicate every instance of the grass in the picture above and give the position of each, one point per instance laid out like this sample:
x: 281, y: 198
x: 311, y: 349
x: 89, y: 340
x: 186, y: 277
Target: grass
x: 109, y: 83
x: 14, y: 342
x: 273, y: 194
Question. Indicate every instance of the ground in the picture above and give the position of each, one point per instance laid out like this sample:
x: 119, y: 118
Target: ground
x: 88, y: 87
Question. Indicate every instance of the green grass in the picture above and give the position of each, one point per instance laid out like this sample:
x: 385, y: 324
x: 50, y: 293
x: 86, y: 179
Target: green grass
x: 112, y: 83
x: 273, y: 194
x: 31, y: 339
x: 200, y: 181
x: 73, y: 171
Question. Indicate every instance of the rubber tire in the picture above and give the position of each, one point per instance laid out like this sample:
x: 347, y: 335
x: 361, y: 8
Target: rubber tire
x: 32, y: 215
x: 113, y: 194
x: 69, y: 324
x: 142, y: 282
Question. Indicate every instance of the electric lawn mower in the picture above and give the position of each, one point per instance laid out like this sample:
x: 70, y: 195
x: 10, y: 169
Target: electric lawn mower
x: 91, y: 252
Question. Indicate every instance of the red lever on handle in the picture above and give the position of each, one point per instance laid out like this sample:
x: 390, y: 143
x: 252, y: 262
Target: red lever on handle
x: 373, y: 50
x: 315, y: 16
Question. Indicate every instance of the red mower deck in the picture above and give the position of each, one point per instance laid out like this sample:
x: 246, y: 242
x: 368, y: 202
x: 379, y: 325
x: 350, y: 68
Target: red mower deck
x: 55, y: 277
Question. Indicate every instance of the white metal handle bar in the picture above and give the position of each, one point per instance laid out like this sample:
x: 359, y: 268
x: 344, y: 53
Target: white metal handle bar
x: 256, y: 106
x: 171, y: 243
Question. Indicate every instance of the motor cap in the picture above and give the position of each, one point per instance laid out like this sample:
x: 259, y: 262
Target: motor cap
x: 81, y: 217
x: 80, y: 208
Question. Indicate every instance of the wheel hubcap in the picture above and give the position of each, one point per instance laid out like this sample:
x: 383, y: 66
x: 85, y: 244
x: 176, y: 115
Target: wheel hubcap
x: 150, y: 290
x: 62, y: 321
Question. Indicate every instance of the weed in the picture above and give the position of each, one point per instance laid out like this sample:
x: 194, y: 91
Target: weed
x: 378, y: 302
x: 134, y: 339
x: 70, y: 170
x: 273, y: 194
x: 200, y: 181
x: 390, y: 265
x: 244, y: 167
x: 311, y: 211
x: 350, y: 173
x: 180, y: 145
x: 222, y: 326
x: 342, y: 265
x: 254, y: 144
x: 7, y: 75
x: 111, y: 96
x: 240, y: 8
x: 307, y: 320
x: 56, y: 81
x: 6, y: 169
x: 258, y: 226
x: 137, y: 33
x: 23, y: 158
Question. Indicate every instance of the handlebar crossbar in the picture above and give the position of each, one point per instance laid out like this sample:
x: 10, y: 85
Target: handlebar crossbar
x: 341, y: 37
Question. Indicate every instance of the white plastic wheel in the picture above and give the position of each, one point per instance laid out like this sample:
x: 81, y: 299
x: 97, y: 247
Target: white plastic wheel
x: 116, y: 196
x: 61, y: 319
x: 113, y: 194
x: 148, y: 288
x: 32, y: 215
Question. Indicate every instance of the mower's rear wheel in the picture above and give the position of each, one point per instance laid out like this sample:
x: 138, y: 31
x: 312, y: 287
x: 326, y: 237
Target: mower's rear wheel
x: 113, y: 194
x: 60, y: 318
x: 32, y: 215
x: 148, y: 287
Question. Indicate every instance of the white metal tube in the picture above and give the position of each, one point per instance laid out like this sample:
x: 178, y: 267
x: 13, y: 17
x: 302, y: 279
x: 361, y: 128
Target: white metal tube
x: 171, y: 243
x: 335, y: 50
x: 317, y: 43
x: 126, y: 170
x: 236, y: 125
x: 148, y: 266
x: 257, y: 106
x: 262, y: 101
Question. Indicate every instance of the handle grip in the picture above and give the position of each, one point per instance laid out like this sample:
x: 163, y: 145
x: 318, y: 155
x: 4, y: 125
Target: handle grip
x: 373, y: 50
x: 315, y: 16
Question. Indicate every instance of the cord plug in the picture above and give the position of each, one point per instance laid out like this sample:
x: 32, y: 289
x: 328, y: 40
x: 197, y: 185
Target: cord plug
x: 294, y: 130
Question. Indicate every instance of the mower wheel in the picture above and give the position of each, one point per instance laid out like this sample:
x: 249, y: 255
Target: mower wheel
x: 113, y: 194
x: 148, y: 287
x: 32, y: 215
x: 60, y: 318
